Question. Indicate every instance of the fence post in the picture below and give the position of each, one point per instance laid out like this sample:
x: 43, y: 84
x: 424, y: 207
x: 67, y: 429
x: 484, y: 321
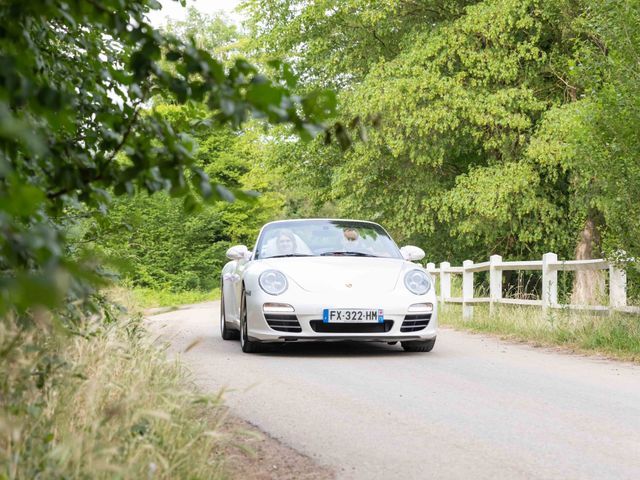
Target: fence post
x: 467, y: 290
x: 445, y: 282
x: 617, y: 287
x: 430, y: 268
x: 495, y: 281
x: 549, y: 280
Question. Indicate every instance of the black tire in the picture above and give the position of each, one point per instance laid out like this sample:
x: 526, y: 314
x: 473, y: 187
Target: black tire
x: 419, y: 345
x: 247, y: 345
x: 227, y: 333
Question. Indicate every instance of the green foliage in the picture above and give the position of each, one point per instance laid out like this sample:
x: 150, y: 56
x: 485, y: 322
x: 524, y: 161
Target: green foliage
x: 595, y: 138
x: 167, y: 244
x: 458, y: 107
x: 171, y: 248
x: 337, y: 43
x: 76, y: 82
x: 504, y: 123
x: 159, y: 245
x: 214, y: 33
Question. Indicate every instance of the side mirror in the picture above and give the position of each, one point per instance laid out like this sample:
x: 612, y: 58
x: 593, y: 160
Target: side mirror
x: 411, y: 253
x: 239, y: 252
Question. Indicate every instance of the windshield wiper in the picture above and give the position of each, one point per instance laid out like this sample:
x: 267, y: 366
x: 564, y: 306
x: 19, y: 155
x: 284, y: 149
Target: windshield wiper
x: 291, y: 255
x: 347, y: 254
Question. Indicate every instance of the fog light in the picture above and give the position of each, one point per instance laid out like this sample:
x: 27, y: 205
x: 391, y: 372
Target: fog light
x: 277, y: 308
x: 421, y: 307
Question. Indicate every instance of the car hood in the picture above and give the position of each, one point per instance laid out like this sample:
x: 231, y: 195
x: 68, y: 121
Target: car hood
x: 340, y: 274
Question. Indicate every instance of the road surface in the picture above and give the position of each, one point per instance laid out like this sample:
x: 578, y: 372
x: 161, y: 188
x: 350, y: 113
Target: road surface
x: 475, y: 407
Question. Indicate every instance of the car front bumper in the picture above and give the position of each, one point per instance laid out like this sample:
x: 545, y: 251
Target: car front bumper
x: 399, y: 321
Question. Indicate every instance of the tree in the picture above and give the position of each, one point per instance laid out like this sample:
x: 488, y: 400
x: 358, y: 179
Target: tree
x: 593, y: 139
x: 338, y: 43
x: 161, y: 245
x: 76, y: 81
x: 469, y: 100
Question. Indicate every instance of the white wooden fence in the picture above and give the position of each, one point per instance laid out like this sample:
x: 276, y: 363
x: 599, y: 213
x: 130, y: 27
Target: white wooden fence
x: 550, y: 265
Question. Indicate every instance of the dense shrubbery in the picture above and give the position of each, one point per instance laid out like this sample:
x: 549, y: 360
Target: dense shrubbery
x: 163, y: 243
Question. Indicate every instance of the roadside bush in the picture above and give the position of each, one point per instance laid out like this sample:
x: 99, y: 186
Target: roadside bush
x: 103, y: 403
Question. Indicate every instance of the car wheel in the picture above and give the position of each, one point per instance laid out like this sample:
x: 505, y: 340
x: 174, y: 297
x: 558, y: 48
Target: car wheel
x: 419, y: 345
x: 227, y: 333
x: 247, y: 345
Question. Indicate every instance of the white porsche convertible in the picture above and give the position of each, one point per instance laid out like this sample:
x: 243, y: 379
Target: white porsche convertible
x: 327, y: 280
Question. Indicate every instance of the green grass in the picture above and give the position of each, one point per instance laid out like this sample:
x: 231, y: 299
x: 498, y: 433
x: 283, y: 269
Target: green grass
x: 615, y: 336
x: 143, y: 298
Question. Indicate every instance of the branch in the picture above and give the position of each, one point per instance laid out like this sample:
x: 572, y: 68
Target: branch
x: 125, y: 136
x: 126, y: 133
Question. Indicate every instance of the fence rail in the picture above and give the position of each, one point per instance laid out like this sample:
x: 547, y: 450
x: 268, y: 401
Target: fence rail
x: 549, y: 265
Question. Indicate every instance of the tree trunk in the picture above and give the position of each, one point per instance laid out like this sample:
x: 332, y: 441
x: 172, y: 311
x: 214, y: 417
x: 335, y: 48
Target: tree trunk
x: 589, y: 285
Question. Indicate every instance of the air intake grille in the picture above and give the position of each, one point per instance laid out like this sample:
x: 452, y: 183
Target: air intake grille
x: 283, y: 322
x: 321, y: 327
x: 413, y: 323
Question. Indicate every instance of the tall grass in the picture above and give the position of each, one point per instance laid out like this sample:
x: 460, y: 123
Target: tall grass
x: 105, y: 404
x: 617, y: 335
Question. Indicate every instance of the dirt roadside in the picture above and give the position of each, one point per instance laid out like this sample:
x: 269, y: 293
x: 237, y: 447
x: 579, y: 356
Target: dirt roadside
x: 252, y: 454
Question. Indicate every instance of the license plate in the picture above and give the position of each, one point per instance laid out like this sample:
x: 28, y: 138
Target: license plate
x: 352, y: 315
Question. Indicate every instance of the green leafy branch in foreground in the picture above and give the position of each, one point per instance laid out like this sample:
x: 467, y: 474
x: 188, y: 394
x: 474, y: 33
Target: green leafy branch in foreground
x: 77, y: 124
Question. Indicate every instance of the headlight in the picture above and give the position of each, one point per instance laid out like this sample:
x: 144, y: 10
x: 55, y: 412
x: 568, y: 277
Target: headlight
x: 273, y: 282
x: 417, y: 282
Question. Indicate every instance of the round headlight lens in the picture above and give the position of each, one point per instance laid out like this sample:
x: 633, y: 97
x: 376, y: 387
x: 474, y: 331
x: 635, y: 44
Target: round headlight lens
x: 273, y: 282
x: 417, y: 282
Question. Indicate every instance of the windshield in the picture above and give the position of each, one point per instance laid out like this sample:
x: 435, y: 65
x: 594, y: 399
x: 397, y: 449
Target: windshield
x: 325, y: 238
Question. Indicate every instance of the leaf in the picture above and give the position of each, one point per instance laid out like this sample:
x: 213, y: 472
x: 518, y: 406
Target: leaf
x: 264, y: 95
x: 190, y: 204
x: 24, y: 200
x: 248, y: 196
x: 225, y: 193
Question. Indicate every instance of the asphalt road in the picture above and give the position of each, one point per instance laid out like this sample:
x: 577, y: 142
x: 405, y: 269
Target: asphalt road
x: 475, y: 407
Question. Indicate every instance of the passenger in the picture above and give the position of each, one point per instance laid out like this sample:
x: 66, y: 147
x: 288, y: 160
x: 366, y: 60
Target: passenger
x: 286, y: 243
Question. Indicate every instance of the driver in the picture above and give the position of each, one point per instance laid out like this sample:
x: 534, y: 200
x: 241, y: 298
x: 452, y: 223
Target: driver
x: 353, y: 242
x: 351, y: 239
